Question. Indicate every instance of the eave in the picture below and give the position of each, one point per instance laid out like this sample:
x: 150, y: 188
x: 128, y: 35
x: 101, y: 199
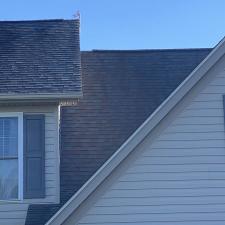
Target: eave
x: 43, y: 98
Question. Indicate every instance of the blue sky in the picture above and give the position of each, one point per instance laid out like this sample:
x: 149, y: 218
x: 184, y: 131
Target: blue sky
x: 131, y: 24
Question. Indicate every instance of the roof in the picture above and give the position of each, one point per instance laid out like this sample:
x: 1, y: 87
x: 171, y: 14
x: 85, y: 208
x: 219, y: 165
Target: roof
x: 40, y: 58
x: 121, y: 90
x: 138, y: 136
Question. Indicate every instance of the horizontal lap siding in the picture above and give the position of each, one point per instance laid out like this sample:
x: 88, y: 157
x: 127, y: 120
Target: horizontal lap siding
x: 177, y: 179
x: 13, y: 213
x: 51, y: 161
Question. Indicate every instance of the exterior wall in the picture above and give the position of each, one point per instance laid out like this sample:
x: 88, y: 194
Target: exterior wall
x: 15, y: 213
x: 177, y: 174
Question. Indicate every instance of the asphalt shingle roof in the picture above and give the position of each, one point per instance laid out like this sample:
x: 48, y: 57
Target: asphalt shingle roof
x: 40, y: 56
x: 121, y: 89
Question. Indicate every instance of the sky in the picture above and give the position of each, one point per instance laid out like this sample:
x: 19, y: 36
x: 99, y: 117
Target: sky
x: 131, y: 24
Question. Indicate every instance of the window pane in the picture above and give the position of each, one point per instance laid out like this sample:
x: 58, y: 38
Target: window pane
x: 10, y: 147
x: 1, y: 127
x: 1, y: 148
x: 10, y: 127
x: 9, y: 179
x: 8, y: 137
x: 8, y: 167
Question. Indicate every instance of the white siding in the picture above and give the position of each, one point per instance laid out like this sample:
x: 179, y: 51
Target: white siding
x: 15, y: 213
x: 177, y: 175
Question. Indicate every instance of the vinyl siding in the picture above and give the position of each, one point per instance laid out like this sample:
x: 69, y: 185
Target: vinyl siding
x: 12, y: 213
x: 177, y: 174
x: 15, y: 213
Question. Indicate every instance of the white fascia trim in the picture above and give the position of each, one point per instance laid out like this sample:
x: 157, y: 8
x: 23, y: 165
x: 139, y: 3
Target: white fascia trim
x: 76, y: 200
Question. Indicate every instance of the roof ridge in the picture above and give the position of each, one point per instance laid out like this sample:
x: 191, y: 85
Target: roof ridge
x: 36, y: 20
x: 145, y: 50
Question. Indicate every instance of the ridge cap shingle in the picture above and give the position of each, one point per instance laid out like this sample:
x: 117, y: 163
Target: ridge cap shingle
x: 38, y: 20
x: 145, y: 50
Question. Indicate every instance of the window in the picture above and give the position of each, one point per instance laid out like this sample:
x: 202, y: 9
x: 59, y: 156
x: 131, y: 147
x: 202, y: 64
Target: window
x: 11, y: 160
x: 22, y: 156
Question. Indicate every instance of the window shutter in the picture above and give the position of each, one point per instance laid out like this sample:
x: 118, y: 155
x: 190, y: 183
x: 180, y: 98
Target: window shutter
x: 34, y: 156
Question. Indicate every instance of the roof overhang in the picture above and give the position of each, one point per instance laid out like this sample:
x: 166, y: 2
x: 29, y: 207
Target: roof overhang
x: 60, y: 99
x: 90, y: 186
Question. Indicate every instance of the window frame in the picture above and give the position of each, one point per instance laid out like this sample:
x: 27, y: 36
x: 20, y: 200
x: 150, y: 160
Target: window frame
x: 19, y: 116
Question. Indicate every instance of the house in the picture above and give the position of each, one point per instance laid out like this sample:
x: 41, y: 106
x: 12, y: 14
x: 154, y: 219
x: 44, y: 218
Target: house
x: 39, y: 71
x: 139, y: 141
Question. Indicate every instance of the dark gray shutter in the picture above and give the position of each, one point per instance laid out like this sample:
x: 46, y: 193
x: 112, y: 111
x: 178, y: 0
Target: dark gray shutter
x: 34, y: 156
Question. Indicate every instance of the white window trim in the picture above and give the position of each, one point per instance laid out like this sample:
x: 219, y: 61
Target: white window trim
x: 19, y: 115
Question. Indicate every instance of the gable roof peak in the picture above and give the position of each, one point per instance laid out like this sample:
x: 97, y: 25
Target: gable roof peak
x: 130, y: 144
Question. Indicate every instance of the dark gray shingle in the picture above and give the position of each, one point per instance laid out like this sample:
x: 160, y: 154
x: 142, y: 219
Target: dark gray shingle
x: 121, y: 89
x: 40, y: 56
